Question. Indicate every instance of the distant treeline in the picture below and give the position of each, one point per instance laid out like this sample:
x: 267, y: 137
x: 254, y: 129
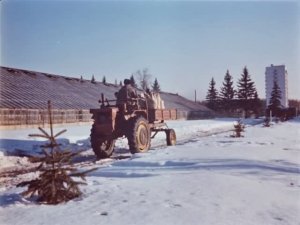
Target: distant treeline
x: 230, y: 100
x: 244, y: 99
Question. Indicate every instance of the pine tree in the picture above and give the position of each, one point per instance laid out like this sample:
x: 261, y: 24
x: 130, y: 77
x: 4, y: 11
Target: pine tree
x: 104, y: 80
x: 156, y: 86
x: 239, y: 127
x: 121, y: 83
x: 55, y: 183
x: 93, y: 80
x: 227, y: 92
x: 275, y: 103
x: 256, y: 95
x: 212, y: 95
x: 132, y: 80
x: 81, y: 79
x: 246, y: 91
x: 256, y: 105
x: 246, y: 87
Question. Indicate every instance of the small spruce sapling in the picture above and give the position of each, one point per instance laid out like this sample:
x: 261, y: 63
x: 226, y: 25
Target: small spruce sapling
x: 239, y: 127
x: 55, y: 183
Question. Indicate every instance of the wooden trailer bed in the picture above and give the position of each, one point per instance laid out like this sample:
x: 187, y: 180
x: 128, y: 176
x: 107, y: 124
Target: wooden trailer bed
x: 162, y: 114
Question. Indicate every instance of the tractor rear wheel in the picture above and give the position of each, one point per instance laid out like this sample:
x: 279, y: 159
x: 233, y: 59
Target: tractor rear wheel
x: 139, y: 135
x: 103, y: 147
x: 171, y: 137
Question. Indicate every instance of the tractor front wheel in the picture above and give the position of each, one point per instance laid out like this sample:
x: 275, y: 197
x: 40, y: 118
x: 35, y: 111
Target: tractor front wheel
x: 102, y: 148
x: 139, y: 135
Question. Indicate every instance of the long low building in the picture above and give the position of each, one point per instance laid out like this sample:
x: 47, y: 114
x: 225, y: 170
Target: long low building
x: 24, y: 96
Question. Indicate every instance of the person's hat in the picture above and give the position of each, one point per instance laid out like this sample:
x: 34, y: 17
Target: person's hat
x: 127, y: 81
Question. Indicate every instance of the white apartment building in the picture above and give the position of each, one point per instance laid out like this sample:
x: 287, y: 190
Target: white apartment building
x: 280, y: 73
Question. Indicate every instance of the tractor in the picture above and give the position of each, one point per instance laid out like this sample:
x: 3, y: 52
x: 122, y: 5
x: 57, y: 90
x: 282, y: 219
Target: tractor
x: 133, y: 120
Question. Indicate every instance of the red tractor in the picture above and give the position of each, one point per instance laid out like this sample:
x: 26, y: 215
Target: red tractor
x: 134, y: 120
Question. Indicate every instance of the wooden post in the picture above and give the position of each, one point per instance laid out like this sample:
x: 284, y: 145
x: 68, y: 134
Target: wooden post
x: 50, y: 117
x: 102, y: 100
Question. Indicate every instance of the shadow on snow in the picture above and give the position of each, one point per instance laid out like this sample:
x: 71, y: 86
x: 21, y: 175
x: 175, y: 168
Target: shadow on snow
x: 15, y: 147
x: 136, y: 169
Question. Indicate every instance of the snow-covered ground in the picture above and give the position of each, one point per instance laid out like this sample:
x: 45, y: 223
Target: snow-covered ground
x: 208, y: 178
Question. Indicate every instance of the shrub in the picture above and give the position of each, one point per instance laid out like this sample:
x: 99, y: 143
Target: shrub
x: 239, y: 127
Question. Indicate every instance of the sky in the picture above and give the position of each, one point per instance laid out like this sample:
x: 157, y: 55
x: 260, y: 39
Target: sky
x: 182, y: 43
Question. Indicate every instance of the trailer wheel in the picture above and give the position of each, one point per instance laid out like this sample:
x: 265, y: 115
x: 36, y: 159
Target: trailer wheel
x: 171, y: 137
x: 139, y: 135
x: 102, y: 147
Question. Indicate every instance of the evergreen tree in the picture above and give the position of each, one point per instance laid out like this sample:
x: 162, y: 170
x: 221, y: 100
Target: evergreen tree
x: 255, y: 95
x: 246, y: 91
x: 227, y: 92
x: 275, y: 103
x: 256, y: 105
x: 132, y: 80
x: 81, y: 79
x: 55, y: 183
x: 155, y: 86
x: 104, y: 80
x: 246, y: 87
x: 121, y: 83
x: 212, y: 95
x: 239, y: 127
x: 93, y: 80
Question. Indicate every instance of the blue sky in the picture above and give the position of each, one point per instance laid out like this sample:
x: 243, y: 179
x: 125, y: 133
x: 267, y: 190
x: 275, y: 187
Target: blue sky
x: 182, y: 43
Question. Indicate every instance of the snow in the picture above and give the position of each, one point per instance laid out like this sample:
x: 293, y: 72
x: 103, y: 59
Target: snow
x: 208, y: 178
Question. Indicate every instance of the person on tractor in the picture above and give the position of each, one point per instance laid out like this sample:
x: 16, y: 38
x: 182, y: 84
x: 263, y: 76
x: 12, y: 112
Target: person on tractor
x: 126, y: 95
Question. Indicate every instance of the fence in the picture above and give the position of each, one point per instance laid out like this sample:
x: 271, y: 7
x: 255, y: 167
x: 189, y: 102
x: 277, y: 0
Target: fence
x: 194, y: 115
x: 13, y: 117
x: 27, y: 117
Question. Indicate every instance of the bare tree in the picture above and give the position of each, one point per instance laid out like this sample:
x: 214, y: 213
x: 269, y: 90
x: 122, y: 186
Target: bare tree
x: 144, y: 78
